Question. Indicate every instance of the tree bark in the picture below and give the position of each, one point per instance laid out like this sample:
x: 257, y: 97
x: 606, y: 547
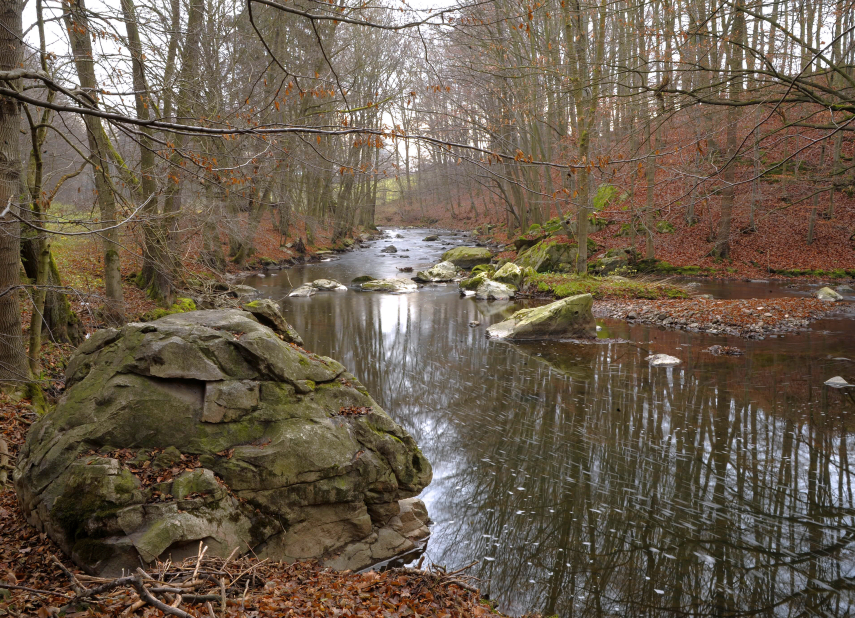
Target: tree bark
x: 77, y: 24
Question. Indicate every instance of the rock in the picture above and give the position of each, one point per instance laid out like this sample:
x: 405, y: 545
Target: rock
x: 267, y: 312
x: 548, y: 256
x: 662, y: 360
x: 569, y: 318
x: 723, y: 350
x: 837, y: 382
x: 389, y: 249
x: 257, y: 454
x: 471, y: 284
x: 474, y: 323
x: 395, y: 286
x: 493, y: 290
x: 510, y: 274
x: 844, y: 289
x: 431, y: 238
x: 828, y: 294
x: 444, y: 271
x: 328, y: 285
x: 363, y: 279
x: 242, y: 291
x: 304, y: 290
x: 467, y: 257
x: 399, y: 235
x: 405, y: 269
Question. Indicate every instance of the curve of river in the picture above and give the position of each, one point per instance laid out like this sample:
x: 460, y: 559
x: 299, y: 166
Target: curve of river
x: 583, y: 482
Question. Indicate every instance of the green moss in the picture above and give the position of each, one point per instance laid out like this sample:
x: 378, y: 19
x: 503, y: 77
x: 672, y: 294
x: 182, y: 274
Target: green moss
x: 483, y: 268
x: 665, y: 227
x: 837, y: 273
x: 363, y: 279
x: 182, y: 305
x: 562, y: 286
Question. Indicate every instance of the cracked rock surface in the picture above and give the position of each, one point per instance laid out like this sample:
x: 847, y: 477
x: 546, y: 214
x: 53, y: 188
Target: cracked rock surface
x: 208, y: 426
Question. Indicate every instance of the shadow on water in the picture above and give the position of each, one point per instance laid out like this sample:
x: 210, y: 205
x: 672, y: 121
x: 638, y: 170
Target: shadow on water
x: 586, y: 483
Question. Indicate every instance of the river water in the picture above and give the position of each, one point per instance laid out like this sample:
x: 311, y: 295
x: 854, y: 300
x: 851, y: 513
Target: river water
x: 582, y: 481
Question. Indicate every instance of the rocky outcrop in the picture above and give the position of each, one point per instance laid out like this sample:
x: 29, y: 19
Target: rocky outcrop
x: 549, y: 256
x: 569, y: 318
x: 267, y: 312
x: 207, y: 426
x: 467, y: 257
x: 444, y: 271
x: 393, y: 286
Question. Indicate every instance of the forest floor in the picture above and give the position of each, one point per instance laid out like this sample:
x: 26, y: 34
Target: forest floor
x: 32, y: 582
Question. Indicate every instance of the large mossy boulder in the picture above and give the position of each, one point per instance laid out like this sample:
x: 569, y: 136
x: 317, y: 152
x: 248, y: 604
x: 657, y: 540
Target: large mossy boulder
x: 467, y: 257
x: 549, y: 255
x: 438, y: 273
x: 393, y: 286
x: 207, y: 426
x: 569, y: 318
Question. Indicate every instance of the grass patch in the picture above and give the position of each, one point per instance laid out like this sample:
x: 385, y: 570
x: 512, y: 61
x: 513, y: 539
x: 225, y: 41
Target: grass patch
x: 562, y: 286
x: 837, y: 273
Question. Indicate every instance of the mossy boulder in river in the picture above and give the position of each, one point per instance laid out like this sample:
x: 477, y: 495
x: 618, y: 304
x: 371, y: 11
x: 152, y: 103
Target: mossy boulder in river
x: 509, y: 274
x: 569, y: 318
x: 444, y: 271
x: 207, y: 426
x: 467, y: 257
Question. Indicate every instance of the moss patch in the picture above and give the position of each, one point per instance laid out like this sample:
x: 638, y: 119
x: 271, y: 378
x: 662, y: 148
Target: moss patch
x: 182, y: 305
x: 562, y: 286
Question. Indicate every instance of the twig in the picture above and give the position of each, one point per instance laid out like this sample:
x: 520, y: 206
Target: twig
x: 146, y: 596
x: 75, y: 583
x: 36, y: 590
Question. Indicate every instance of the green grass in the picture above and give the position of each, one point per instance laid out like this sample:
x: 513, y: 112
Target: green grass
x: 837, y: 273
x: 562, y: 286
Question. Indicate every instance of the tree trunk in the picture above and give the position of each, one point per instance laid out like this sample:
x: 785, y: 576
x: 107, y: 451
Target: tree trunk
x: 13, y: 360
x: 77, y: 25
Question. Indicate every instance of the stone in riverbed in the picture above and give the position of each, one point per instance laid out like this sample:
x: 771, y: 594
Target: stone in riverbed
x: 304, y: 291
x: 838, y: 382
x: 662, y: 360
x: 493, y: 290
x: 569, y: 318
x: 467, y: 257
x: 389, y: 249
x: 257, y: 450
x: 828, y: 294
x: 444, y: 271
x: 394, y: 286
x: 431, y: 238
x: 509, y: 274
x: 328, y: 285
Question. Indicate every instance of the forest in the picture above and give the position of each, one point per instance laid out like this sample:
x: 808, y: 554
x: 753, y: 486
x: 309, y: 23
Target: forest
x: 157, y: 154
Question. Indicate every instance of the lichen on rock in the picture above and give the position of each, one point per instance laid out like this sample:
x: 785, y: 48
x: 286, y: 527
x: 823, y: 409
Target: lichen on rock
x: 278, y: 467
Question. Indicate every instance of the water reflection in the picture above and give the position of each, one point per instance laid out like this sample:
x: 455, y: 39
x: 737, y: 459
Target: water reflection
x: 587, y: 483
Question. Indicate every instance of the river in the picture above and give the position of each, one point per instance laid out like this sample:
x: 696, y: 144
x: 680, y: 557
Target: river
x: 584, y: 482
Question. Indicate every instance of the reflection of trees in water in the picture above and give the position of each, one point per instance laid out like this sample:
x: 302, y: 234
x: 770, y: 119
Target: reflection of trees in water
x: 601, y: 486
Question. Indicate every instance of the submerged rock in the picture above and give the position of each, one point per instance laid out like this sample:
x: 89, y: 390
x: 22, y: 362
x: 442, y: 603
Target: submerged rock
x: 509, y: 274
x: 844, y: 289
x: 431, y: 238
x: 444, y: 271
x: 828, y: 294
x: 395, y: 286
x: 467, y: 257
x: 493, y: 290
x: 304, y: 290
x: 206, y: 426
x: 328, y: 285
x: 569, y: 318
x: 662, y: 360
x: 389, y: 249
